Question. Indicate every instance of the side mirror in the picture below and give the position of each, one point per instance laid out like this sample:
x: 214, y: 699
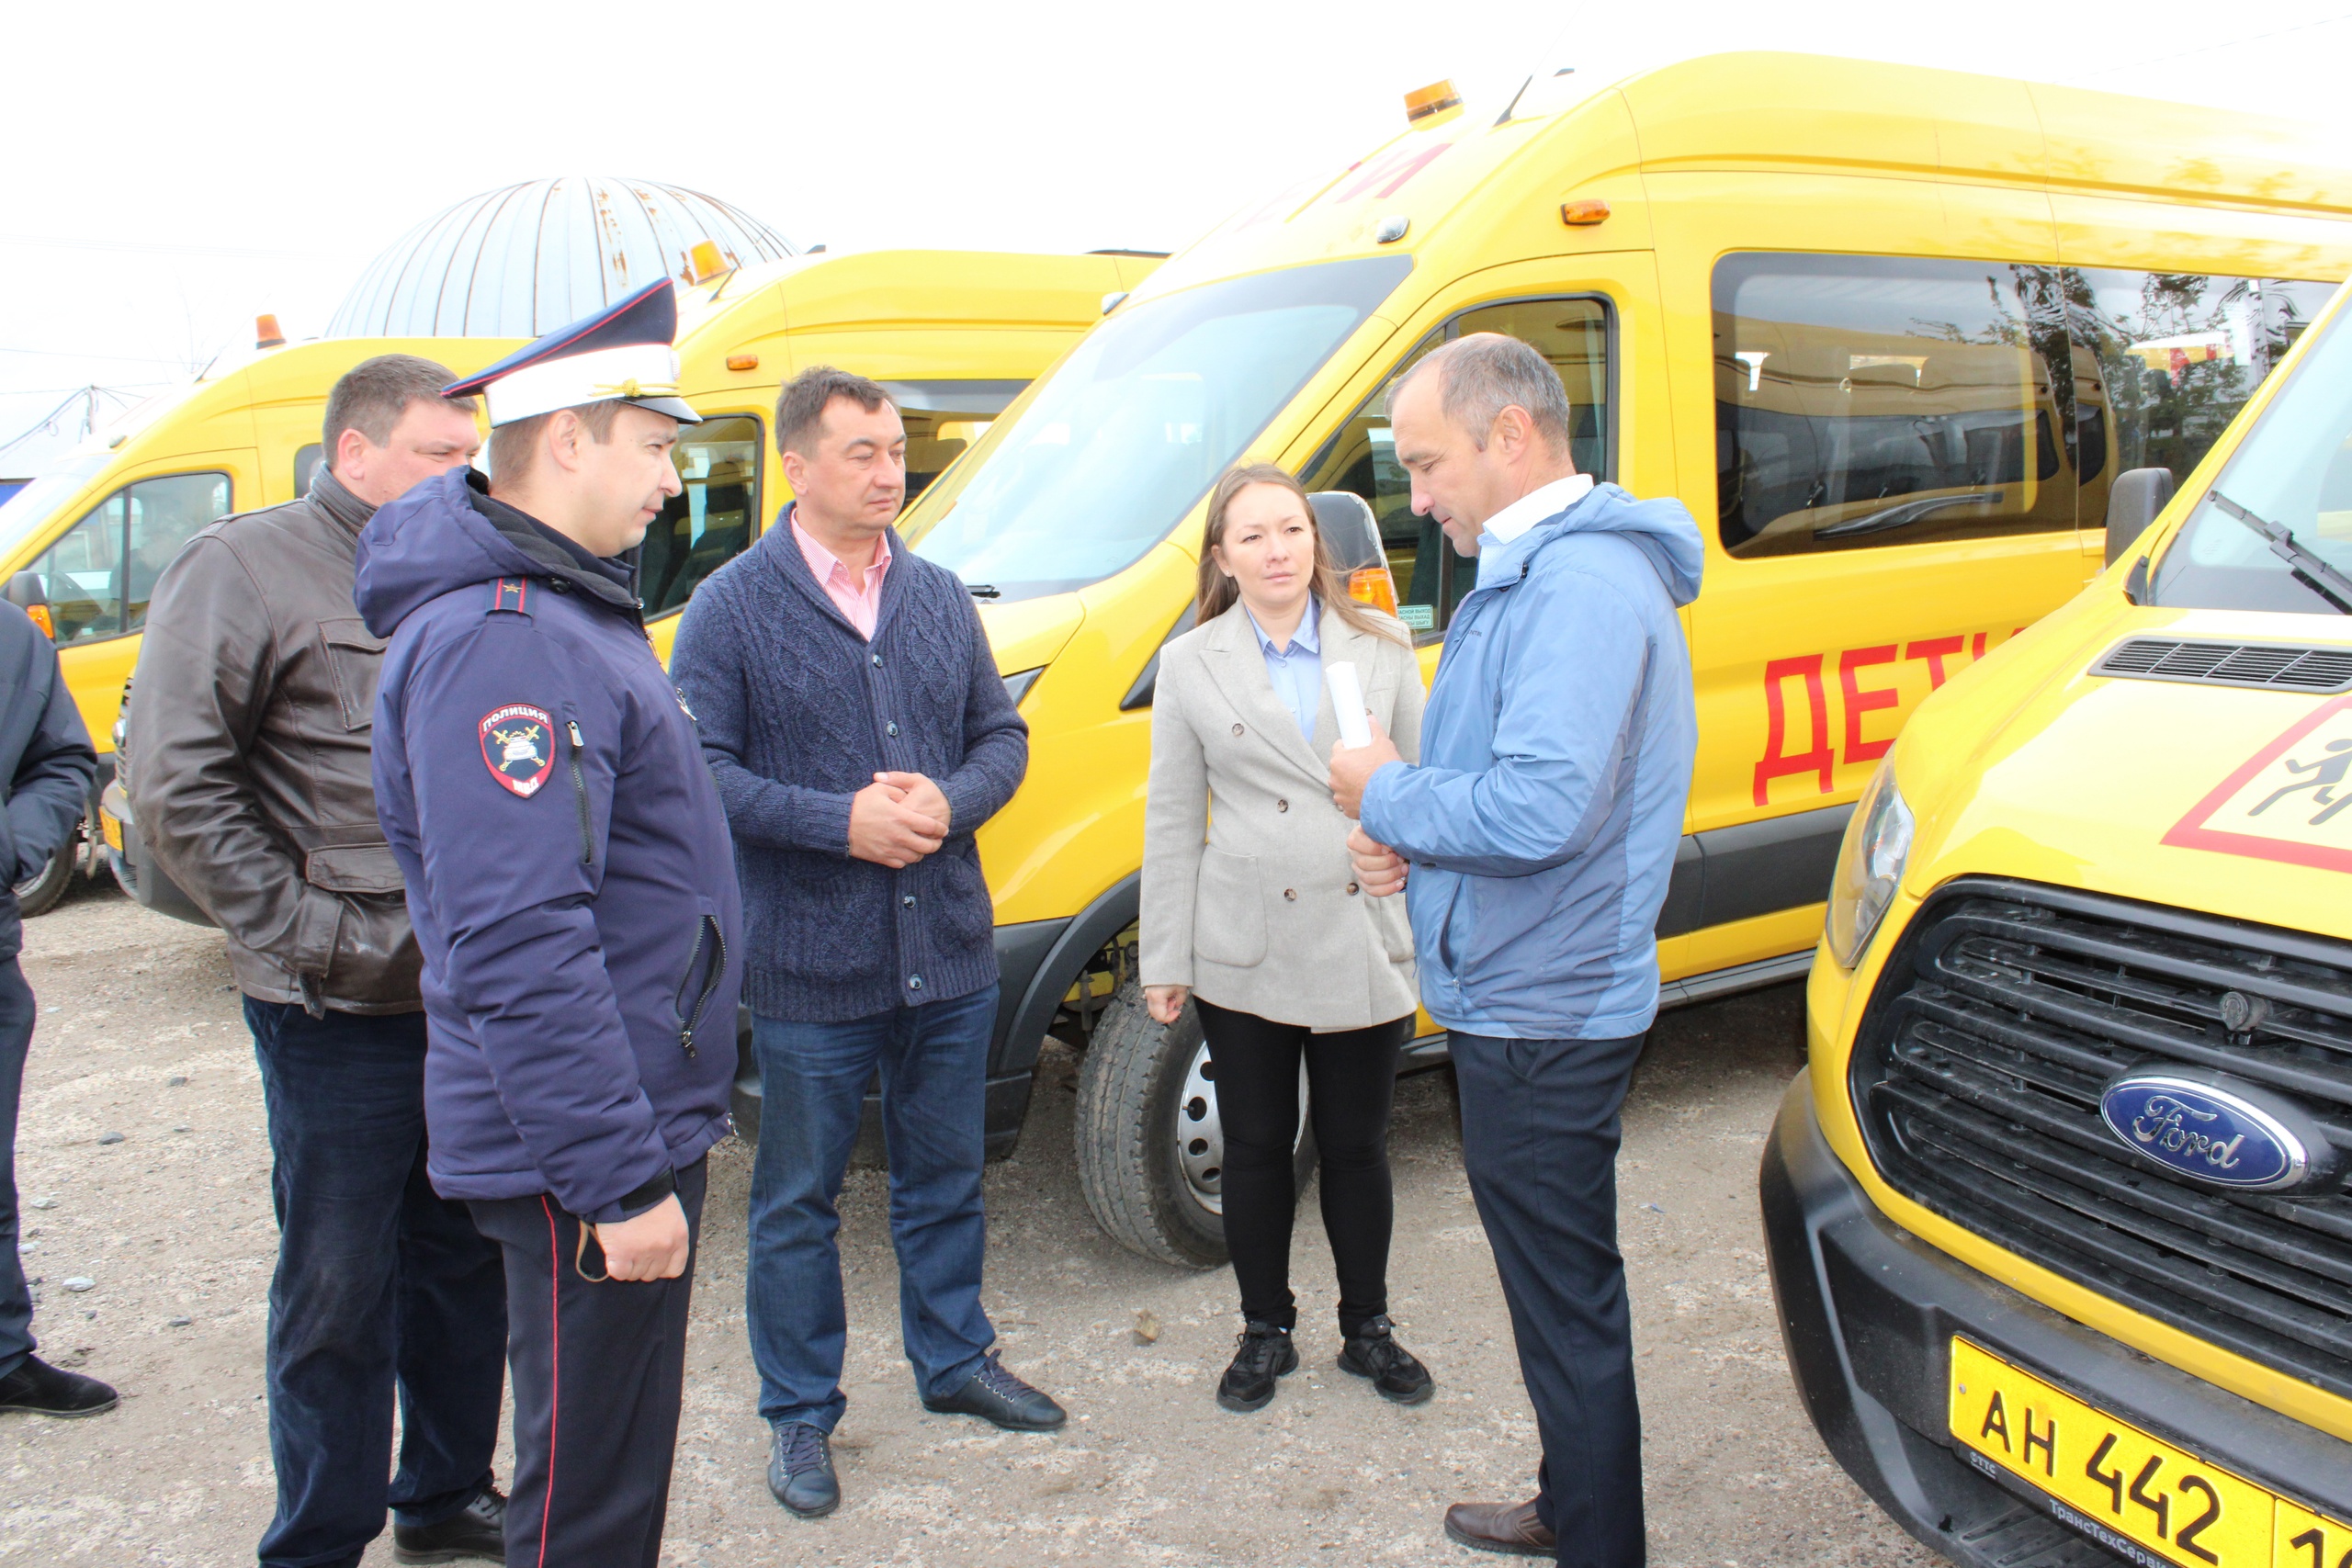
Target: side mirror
x: 1349, y: 528
x: 2133, y: 503
x: 25, y: 592
x: 1352, y: 535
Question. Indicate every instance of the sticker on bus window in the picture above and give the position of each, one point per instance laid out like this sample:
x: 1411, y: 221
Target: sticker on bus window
x: 2291, y: 801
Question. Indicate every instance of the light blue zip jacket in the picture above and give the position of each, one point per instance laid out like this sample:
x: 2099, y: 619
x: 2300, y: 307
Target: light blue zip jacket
x: 1557, y: 750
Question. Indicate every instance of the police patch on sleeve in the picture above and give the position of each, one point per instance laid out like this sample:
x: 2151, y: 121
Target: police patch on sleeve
x: 518, y: 745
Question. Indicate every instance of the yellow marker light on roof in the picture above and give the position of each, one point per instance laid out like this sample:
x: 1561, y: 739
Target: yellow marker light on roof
x: 1583, y: 214
x: 1421, y: 102
x: 742, y: 362
x: 704, y: 262
x: 266, y: 333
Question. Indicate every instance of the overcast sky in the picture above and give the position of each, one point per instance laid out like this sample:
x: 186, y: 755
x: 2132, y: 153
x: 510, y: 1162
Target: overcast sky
x: 173, y: 171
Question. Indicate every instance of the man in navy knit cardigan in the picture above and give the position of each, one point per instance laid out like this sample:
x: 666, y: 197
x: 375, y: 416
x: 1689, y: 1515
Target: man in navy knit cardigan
x: 859, y: 734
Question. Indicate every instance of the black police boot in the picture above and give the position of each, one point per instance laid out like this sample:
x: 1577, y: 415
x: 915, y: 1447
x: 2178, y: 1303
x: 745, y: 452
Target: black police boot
x: 478, y: 1529
x: 1372, y: 1352
x: 997, y: 1396
x: 800, y: 1469
x: 1262, y: 1353
x: 43, y: 1389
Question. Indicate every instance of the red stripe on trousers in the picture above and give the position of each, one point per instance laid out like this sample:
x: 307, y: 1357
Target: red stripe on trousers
x: 555, y: 1371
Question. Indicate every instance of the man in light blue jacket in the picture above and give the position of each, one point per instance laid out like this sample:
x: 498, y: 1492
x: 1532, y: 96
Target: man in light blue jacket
x: 1537, y: 833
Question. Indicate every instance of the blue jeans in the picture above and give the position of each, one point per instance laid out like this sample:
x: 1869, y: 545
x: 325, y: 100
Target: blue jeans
x: 16, y: 1040
x: 381, y: 1285
x: 933, y: 1061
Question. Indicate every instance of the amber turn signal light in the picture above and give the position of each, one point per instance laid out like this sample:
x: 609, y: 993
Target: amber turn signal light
x: 1372, y: 585
x: 40, y: 617
x: 1584, y: 214
x: 1435, y: 98
x: 742, y: 362
x: 266, y: 333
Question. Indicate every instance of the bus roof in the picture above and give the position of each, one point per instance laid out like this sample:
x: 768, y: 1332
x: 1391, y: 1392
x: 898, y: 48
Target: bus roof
x: 1765, y: 111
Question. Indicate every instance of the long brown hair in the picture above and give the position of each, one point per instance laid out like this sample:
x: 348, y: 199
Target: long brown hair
x: 1218, y: 592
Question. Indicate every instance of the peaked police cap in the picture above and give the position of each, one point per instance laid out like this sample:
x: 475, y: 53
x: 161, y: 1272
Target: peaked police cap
x: 623, y: 352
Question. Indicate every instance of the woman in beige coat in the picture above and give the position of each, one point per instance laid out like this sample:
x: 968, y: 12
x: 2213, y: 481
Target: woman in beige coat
x: 1251, y: 912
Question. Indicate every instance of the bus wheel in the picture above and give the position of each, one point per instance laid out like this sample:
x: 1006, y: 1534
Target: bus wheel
x: 44, y: 888
x: 1150, y: 1148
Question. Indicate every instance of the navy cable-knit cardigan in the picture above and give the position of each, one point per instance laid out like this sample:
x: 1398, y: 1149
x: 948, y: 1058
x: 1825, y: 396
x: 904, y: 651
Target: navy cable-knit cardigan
x: 798, y: 712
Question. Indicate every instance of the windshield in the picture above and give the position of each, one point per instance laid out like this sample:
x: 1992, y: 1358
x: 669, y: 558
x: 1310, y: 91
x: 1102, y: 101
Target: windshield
x: 1131, y: 431
x: 24, y: 513
x: 2274, y: 531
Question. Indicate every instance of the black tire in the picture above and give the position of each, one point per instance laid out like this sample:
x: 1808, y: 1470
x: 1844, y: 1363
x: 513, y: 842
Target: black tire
x: 1133, y: 1109
x: 36, y: 893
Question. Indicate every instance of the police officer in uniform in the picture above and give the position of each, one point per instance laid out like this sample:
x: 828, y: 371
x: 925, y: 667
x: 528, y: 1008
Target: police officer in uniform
x: 573, y: 892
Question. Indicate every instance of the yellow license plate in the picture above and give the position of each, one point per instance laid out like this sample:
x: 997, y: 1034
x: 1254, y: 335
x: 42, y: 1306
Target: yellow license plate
x: 113, y: 832
x: 2112, y: 1477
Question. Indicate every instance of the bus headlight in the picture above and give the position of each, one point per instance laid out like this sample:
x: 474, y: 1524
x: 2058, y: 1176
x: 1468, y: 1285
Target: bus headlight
x: 1869, y: 865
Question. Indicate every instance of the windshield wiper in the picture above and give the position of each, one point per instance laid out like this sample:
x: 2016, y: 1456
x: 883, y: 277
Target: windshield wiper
x: 2311, y: 568
x: 984, y: 591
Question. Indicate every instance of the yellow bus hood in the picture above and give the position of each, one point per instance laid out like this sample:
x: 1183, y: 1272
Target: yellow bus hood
x: 2194, y: 794
x: 1028, y: 633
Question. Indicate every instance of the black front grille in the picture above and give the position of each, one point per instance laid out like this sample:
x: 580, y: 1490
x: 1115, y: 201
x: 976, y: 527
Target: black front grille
x: 1977, y: 1073
x: 2268, y: 665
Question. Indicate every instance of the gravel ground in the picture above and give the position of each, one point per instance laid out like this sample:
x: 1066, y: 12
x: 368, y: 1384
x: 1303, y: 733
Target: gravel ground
x: 141, y: 1035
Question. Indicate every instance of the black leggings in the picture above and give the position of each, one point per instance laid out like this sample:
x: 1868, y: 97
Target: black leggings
x: 1351, y: 1080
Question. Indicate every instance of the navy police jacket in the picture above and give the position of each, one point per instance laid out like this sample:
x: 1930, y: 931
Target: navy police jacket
x: 569, y: 870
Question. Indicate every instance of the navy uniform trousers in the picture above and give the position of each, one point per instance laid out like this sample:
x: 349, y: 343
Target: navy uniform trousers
x: 1539, y: 1141
x: 598, y: 1371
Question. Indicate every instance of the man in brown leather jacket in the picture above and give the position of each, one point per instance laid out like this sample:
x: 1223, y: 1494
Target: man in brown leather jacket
x: 250, y: 782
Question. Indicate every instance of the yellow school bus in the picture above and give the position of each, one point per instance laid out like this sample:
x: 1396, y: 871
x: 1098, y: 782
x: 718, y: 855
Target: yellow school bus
x: 1889, y: 332
x: 955, y: 335
x: 82, y: 545
x: 2057, y: 1214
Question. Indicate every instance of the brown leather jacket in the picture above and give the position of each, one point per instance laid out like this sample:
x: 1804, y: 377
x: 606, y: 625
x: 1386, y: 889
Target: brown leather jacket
x: 249, y: 725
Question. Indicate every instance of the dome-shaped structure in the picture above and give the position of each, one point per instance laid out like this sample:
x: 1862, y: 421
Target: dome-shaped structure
x: 525, y: 260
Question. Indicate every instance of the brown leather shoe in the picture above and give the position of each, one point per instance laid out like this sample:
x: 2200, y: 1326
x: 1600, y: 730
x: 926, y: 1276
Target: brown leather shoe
x: 1499, y: 1526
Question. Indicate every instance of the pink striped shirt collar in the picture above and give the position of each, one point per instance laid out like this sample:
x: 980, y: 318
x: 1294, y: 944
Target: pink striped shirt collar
x: 859, y: 603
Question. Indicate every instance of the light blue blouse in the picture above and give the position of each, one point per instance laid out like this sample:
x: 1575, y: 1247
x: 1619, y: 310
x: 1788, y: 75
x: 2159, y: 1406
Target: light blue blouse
x: 1297, y: 671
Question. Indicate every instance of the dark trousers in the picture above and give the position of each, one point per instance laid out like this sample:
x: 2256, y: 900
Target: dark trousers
x: 599, y: 1369
x: 383, y: 1287
x: 1351, y: 1084
x: 1539, y: 1140
x: 933, y: 1061
x: 16, y: 1039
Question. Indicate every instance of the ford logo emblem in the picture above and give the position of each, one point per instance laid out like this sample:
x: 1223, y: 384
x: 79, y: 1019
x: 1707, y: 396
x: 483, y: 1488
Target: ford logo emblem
x: 2216, y: 1130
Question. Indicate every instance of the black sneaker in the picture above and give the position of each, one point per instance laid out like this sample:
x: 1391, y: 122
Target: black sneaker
x: 800, y: 1469
x: 1372, y: 1352
x: 996, y: 1395
x: 1262, y: 1353
x: 43, y: 1389
x: 478, y: 1529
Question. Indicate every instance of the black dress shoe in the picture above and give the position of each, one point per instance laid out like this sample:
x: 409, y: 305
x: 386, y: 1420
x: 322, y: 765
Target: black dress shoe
x: 996, y: 1395
x: 478, y: 1529
x: 43, y: 1389
x: 1372, y: 1352
x: 800, y: 1469
x: 1262, y: 1353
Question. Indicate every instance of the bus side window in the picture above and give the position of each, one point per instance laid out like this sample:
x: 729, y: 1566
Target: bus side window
x: 1869, y: 400
x: 711, y: 520
x: 1573, y: 333
x: 2163, y: 361
x: 306, y: 463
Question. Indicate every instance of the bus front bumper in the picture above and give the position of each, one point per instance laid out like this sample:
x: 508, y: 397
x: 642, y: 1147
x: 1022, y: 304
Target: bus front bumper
x: 1868, y: 1314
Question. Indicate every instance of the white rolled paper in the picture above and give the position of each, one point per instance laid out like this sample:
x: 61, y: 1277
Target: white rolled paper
x: 1347, y: 703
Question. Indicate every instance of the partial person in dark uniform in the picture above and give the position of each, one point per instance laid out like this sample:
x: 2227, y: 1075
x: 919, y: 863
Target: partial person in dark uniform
x: 573, y: 892
x: 46, y: 764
